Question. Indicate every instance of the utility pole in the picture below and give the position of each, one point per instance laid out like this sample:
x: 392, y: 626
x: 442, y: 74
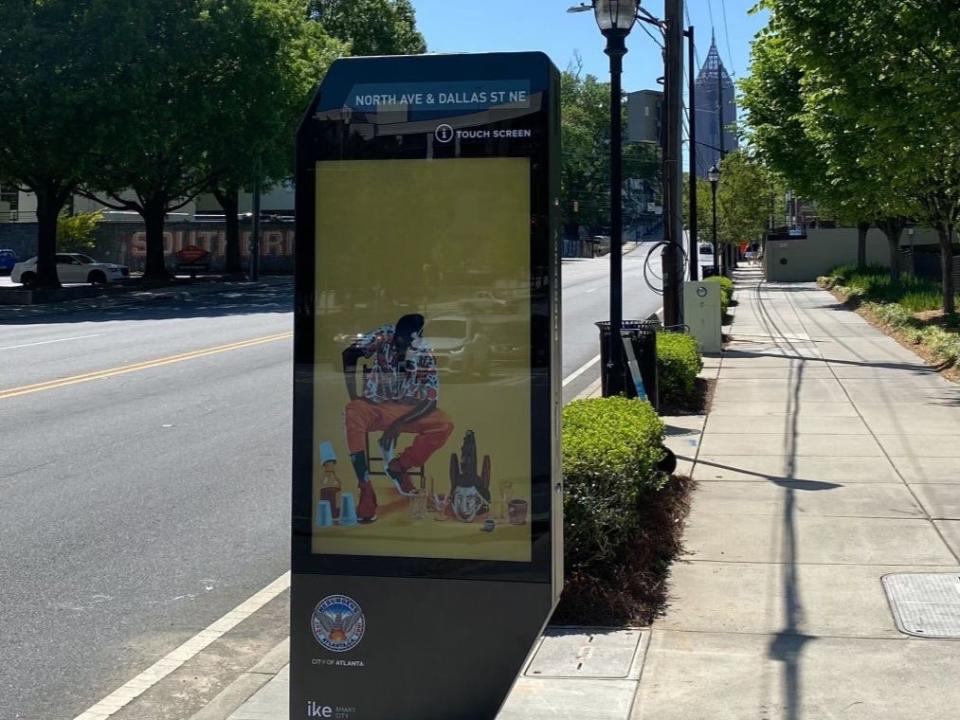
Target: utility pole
x: 726, y: 258
x: 693, y: 256
x: 255, y: 235
x: 672, y: 165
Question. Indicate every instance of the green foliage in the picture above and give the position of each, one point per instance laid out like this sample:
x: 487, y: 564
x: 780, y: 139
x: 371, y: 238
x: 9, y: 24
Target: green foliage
x: 873, y: 284
x: 270, y: 57
x: 726, y: 291
x: 611, y: 447
x: 77, y: 232
x: 55, y: 64
x: 942, y: 340
x: 746, y: 197
x: 585, y: 163
x: 678, y: 364
x: 896, y: 304
x: 371, y: 27
x: 857, y: 103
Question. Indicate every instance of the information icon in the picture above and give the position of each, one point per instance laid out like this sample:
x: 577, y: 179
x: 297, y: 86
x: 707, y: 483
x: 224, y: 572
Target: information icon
x: 444, y: 133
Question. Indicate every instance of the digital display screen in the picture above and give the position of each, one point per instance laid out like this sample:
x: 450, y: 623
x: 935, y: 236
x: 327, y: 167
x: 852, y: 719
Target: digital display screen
x: 422, y: 359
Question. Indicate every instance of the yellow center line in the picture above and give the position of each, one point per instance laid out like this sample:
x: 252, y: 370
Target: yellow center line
x: 136, y: 367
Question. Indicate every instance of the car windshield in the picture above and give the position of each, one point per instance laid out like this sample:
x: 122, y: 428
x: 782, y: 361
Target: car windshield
x: 85, y: 259
x: 446, y: 329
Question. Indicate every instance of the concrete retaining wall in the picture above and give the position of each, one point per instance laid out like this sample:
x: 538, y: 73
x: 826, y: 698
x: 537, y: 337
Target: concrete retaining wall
x: 805, y: 259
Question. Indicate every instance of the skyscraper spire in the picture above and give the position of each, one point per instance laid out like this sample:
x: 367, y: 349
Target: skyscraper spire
x: 716, y: 107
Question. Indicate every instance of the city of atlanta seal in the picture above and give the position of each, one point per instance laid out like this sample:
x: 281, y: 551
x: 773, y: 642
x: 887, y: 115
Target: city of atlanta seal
x: 338, y: 623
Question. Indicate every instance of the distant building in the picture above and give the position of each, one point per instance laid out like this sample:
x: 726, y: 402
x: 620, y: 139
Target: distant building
x: 714, y: 85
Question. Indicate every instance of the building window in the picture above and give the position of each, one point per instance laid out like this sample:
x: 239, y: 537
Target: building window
x: 9, y: 202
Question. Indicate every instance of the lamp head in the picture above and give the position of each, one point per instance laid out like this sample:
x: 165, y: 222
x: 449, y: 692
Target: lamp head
x: 615, y: 17
x: 713, y: 175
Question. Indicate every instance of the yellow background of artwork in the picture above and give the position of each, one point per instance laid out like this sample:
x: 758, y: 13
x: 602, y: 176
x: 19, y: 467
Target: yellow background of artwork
x: 443, y: 238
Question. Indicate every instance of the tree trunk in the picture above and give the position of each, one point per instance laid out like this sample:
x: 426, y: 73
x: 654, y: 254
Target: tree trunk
x: 946, y: 269
x: 229, y: 200
x: 48, y: 210
x: 862, y: 229
x: 154, y: 215
x: 893, y: 229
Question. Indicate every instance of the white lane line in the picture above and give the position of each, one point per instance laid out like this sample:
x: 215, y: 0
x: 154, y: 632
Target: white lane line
x: 50, y: 342
x: 577, y: 373
x: 592, y: 290
x: 126, y: 693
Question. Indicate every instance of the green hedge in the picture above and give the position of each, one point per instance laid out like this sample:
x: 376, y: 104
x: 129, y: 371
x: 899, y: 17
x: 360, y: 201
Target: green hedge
x: 873, y: 284
x: 726, y: 291
x: 611, y: 447
x: 678, y: 364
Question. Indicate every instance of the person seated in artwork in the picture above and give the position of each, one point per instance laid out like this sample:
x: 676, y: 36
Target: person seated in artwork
x: 400, y: 395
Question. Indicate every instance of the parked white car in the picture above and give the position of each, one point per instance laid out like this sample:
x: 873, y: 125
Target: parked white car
x: 72, y: 268
x: 458, y: 344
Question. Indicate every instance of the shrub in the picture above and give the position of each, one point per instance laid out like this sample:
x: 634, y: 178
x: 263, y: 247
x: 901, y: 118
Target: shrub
x: 873, y: 284
x: 678, y: 364
x: 726, y: 291
x: 611, y: 447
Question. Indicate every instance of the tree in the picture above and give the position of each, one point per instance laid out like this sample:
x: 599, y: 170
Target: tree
x: 371, y: 27
x: 269, y: 58
x: 743, y: 199
x: 896, y: 73
x: 150, y: 153
x: 585, y: 161
x: 78, y: 232
x: 52, y: 58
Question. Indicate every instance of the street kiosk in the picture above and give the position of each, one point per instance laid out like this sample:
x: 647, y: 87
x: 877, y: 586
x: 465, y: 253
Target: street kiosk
x: 427, y: 496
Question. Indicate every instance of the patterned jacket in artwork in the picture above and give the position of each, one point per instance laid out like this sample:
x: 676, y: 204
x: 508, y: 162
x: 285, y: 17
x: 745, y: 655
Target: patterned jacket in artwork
x: 392, y: 378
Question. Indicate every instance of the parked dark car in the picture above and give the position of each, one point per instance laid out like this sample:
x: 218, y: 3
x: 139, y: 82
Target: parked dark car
x: 8, y: 258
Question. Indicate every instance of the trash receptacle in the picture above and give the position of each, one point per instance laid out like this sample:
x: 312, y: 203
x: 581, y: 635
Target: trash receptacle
x: 637, y: 373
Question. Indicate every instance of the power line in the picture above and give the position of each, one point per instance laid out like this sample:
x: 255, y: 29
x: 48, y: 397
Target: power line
x: 643, y: 26
x: 726, y: 32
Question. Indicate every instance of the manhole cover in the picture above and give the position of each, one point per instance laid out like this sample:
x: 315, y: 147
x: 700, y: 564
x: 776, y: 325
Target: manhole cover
x: 599, y: 653
x: 925, y: 604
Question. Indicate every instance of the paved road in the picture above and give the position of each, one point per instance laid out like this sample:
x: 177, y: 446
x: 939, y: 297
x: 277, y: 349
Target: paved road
x: 137, y: 508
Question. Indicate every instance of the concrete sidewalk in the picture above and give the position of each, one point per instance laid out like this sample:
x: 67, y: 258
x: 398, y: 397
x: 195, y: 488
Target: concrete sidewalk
x: 828, y: 461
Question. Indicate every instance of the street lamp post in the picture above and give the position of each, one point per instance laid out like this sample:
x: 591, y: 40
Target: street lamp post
x: 615, y: 19
x: 713, y: 175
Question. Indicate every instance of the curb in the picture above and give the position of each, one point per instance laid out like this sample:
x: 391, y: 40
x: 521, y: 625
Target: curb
x: 133, y: 297
x: 232, y: 697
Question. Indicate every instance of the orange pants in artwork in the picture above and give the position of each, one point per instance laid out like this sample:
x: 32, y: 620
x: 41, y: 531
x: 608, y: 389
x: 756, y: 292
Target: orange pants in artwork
x: 431, y: 430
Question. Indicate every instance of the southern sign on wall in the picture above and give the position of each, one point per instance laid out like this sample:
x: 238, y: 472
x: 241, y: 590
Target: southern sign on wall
x: 426, y: 483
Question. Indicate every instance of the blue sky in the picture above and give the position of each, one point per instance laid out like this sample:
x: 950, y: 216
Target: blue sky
x: 500, y: 25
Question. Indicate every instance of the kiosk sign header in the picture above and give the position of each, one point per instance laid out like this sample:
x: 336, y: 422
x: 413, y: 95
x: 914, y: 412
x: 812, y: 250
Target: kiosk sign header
x: 478, y: 95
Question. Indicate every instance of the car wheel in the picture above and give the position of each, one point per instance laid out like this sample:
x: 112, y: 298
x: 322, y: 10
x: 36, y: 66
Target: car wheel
x: 28, y: 279
x: 97, y: 277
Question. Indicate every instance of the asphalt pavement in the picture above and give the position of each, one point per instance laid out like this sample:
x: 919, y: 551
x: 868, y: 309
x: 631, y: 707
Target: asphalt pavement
x: 145, y: 474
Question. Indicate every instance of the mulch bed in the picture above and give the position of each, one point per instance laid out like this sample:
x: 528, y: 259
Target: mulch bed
x: 634, y: 591
x: 698, y: 405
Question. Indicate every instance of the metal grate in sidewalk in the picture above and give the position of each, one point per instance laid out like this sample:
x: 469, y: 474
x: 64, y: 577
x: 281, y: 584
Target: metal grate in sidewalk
x: 925, y: 604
